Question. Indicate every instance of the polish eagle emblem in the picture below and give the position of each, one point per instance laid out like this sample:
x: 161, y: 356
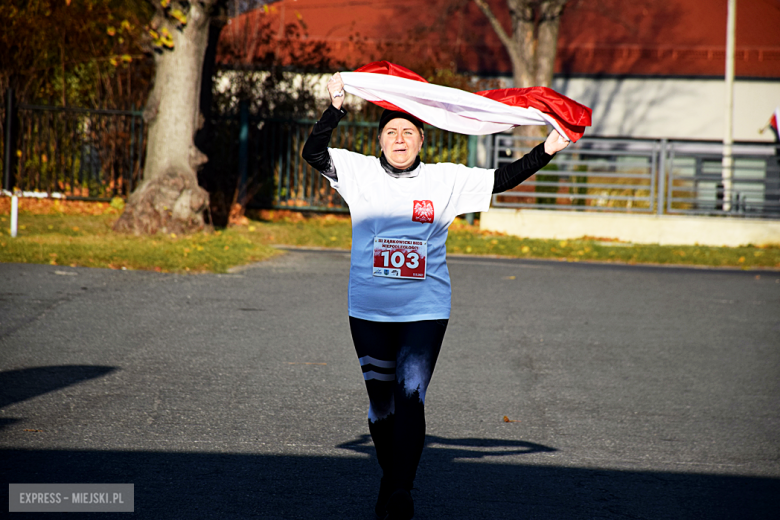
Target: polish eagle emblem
x: 422, y: 211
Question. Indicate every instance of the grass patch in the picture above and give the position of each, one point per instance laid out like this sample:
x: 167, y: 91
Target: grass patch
x: 293, y: 229
x: 88, y: 241
x: 469, y: 240
x: 70, y: 238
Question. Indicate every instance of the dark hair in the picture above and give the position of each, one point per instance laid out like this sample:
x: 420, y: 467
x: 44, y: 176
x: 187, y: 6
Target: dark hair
x: 389, y: 115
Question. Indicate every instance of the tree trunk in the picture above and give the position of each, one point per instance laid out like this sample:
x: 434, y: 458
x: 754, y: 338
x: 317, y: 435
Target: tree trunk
x: 523, y: 40
x: 531, y: 46
x: 524, y: 69
x: 547, y: 42
x: 169, y: 199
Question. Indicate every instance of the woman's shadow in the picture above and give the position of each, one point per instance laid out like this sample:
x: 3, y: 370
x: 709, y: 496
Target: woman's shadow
x: 444, y: 449
x: 465, y: 477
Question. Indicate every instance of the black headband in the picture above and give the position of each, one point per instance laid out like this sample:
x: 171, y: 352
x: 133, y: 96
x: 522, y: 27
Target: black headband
x: 389, y: 115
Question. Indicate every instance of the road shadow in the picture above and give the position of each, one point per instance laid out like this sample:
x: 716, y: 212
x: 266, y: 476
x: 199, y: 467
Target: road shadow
x: 462, y: 448
x: 452, y: 484
x: 26, y: 383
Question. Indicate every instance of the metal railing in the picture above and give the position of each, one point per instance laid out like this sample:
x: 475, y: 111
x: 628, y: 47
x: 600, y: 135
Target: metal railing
x: 644, y: 176
x: 298, y: 184
x: 695, y: 180
x: 98, y: 154
x: 273, y: 147
x: 80, y: 153
x: 616, y: 175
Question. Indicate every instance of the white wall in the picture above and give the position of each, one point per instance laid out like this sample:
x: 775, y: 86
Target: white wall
x: 638, y: 229
x: 673, y: 108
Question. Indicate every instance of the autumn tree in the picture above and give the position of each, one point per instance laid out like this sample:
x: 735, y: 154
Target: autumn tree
x: 169, y: 198
x: 84, y: 53
x: 531, y: 39
x: 184, y: 36
x: 450, y: 32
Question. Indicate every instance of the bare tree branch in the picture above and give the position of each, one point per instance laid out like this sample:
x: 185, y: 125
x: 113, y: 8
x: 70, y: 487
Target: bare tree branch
x: 500, y: 32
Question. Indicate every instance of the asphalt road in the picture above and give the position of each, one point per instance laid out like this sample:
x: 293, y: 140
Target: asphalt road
x: 634, y: 392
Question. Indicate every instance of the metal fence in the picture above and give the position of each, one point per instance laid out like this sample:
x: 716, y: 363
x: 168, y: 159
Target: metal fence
x: 695, y: 183
x: 615, y: 175
x: 80, y: 153
x: 644, y: 176
x: 299, y: 185
x: 98, y: 154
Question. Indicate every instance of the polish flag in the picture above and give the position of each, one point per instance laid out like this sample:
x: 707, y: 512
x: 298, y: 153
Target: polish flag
x: 488, y: 112
x: 774, y: 122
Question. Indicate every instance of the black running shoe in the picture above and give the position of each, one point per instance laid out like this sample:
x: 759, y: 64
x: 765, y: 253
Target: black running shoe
x: 400, y: 506
x: 385, y: 490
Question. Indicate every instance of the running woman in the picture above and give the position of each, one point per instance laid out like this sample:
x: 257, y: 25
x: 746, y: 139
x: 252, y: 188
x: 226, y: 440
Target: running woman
x: 399, y: 286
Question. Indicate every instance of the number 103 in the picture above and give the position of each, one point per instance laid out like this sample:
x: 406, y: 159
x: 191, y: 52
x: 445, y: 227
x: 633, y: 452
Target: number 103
x: 397, y: 259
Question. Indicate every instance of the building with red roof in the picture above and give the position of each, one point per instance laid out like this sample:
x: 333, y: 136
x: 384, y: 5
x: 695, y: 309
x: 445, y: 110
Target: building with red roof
x: 648, y: 69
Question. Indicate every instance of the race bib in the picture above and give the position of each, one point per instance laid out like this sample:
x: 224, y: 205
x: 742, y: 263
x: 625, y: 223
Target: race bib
x: 400, y: 258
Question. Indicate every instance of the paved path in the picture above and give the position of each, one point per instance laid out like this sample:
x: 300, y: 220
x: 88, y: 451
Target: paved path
x: 636, y: 392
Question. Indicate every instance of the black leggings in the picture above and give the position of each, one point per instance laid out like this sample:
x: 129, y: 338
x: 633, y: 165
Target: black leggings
x: 397, y: 361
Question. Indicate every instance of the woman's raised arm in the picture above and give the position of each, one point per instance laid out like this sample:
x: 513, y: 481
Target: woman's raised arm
x: 510, y: 175
x: 315, y: 151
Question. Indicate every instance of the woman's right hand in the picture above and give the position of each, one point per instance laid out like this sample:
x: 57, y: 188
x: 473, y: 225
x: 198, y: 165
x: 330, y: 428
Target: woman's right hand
x: 555, y: 143
x: 336, y: 90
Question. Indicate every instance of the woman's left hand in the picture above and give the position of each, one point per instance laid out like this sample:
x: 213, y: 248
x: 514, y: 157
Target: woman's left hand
x: 336, y: 90
x: 555, y: 143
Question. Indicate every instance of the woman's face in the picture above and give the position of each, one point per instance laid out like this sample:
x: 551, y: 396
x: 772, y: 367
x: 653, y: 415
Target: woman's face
x: 400, y: 141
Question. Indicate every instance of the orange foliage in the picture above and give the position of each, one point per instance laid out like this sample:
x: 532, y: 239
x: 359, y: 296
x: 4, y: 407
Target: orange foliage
x: 34, y: 206
x: 286, y: 215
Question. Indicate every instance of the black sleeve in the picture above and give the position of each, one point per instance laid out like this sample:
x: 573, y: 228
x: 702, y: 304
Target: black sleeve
x: 510, y: 175
x: 315, y: 151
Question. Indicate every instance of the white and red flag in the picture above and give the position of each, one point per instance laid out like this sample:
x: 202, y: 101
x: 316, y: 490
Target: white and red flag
x: 774, y: 122
x: 490, y: 111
